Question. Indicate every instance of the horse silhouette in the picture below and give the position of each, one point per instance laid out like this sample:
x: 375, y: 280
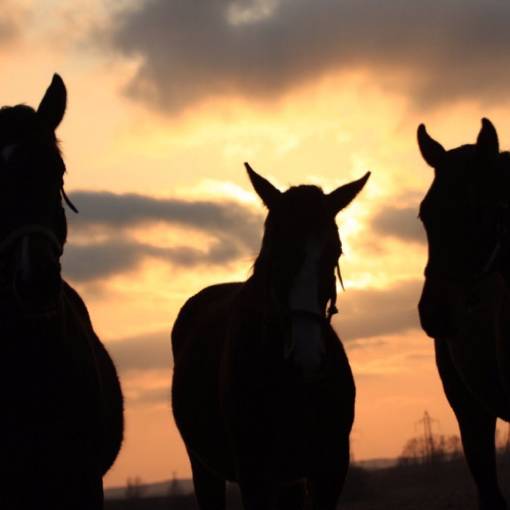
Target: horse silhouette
x: 62, y: 410
x: 464, y: 304
x: 262, y: 389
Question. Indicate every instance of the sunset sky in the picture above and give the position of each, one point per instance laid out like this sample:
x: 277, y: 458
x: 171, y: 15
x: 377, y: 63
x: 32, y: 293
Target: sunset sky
x: 168, y: 98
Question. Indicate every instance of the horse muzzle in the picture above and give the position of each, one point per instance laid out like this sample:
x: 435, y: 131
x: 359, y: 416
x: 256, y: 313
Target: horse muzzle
x: 436, y: 309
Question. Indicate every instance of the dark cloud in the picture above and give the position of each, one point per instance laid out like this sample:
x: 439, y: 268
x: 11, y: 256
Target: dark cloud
x: 434, y: 51
x: 120, y: 211
x: 401, y: 223
x: 105, y: 259
x: 373, y: 313
x: 234, y: 230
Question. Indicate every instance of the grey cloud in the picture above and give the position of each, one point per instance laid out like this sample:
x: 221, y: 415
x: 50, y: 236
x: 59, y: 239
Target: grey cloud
x: 102, y: 260
x: 120, y: 211
x: 434, y: 51
x: 151, y: 351
x: 399, y: 222
x: 234, y: 230
x: 373, y: 313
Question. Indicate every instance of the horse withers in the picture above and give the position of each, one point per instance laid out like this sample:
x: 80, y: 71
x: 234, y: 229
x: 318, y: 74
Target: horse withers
x: 62, y: 410
x: 262, y: 389
x: 465, y: 300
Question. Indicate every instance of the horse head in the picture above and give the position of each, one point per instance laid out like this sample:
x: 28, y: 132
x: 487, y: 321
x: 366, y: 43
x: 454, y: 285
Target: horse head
x: 465, y: 215
x: 33, y: 226
x: 300, y: 251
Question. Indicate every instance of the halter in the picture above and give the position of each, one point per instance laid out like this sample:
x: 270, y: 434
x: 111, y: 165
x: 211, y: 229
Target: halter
x: 30, y: 230
x: 322, y: 319
x: 23, y: 234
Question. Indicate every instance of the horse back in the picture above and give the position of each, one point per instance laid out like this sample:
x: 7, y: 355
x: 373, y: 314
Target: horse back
x: 206, y: 309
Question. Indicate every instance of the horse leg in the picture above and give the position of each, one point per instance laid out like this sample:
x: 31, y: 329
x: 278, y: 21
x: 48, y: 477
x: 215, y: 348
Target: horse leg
x: 209, y: 488
x: 292, y: 496
x: 477, y: 434
x: 326, y: 484
x: 258, y: 493
x: 477, y: 429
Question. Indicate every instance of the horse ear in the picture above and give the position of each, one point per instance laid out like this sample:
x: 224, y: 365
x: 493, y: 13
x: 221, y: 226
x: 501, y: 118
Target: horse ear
x: 433, y: 152
x: 344, y: 195
x: 487, y: 142
x: 264, y: 189
x: 53, y: 104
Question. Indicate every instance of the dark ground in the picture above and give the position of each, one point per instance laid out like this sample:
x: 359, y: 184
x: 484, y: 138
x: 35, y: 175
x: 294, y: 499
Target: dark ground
x: 444, y: 486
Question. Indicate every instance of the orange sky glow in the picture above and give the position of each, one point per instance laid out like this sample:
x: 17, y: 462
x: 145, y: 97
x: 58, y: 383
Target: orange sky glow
x: 327, y: 128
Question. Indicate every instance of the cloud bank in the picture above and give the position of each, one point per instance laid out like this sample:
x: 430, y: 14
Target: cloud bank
x: 260, y: 49
x: 370, y: 313
x: 234, y: 230
x: 399, y: 222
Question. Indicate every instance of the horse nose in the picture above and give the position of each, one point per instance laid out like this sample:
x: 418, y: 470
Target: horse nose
x: 431, y: 320
x: 435, y: 317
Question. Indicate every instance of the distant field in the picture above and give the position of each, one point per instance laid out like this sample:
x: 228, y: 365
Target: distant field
x: 445, y: 486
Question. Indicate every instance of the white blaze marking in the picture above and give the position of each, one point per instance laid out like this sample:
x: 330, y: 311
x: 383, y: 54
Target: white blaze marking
x: 306, y: 331
x: 8, y: 150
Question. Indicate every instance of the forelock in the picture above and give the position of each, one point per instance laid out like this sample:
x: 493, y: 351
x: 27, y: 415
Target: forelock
x: 304, y: 197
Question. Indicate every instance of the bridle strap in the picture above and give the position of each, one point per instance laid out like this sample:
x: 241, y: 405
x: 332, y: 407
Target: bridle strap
x: 492, y: 258
x: 30, y: 230
x: 308, y: 314
x: 8, y: 242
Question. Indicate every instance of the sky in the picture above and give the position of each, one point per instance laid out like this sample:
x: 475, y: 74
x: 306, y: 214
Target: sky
x: 168, y: 98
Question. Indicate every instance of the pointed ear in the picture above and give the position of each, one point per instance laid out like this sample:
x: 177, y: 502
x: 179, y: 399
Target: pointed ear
x: 432, y: 151
x: 53, y: 104
x: 264, y: 189
x: 344, y: 195
x: 487, y: 142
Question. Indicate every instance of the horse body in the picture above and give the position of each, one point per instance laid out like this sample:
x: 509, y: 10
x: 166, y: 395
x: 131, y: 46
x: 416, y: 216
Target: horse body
x: 256, y: 400
x: 64, y: 409
x: 248, y: 393
x: 62, y: 422
x: 466, y: 296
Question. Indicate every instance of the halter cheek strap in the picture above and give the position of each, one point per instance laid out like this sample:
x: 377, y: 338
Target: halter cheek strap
x: 22, y: 234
